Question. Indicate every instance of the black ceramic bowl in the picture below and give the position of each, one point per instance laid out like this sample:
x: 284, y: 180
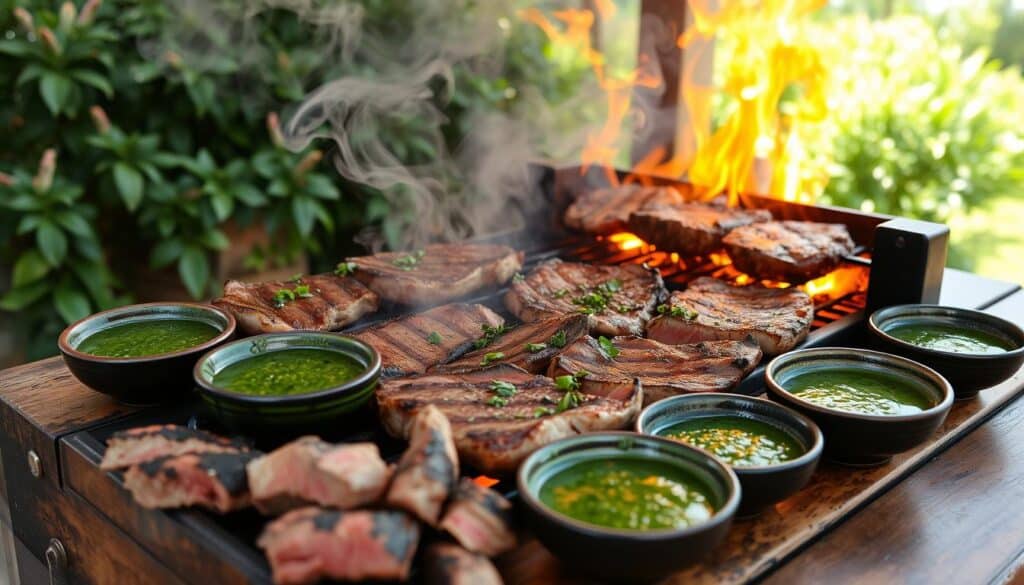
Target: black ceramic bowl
x: 147, y: 379
x: 968, y: 373
x: 626, y: 555
x: 763, y: 485
x: 312, y: 412
x: 863, y: 439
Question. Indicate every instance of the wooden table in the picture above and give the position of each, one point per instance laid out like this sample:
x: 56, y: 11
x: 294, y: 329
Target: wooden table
x: 951, y: 511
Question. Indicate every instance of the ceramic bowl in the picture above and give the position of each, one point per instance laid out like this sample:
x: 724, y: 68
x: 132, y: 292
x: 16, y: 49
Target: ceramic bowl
x: 763, y: 485
x: 147, y: 379
x: 317, y: 411
x: 968, y: 373
x: 626, y: 555
x: 855, y: 438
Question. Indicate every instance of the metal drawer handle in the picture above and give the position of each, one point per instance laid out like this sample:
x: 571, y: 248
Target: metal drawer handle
x: 57, y: 562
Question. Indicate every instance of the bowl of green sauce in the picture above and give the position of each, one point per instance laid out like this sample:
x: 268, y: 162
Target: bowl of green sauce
x: 869, y: 405
x: 626, y: 506
x: 774, y: 450
x: 143, y: 354
x: 282, y: 382
x: 972, y: 349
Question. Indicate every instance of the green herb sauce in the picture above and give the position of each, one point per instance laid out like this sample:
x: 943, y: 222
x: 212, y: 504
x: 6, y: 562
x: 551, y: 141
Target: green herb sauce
x: 148, y: 337
x: 628, y: 494
x: 950, y: 338
x: 738, y: 440
x: 859, y: 390
x: 288, y: 372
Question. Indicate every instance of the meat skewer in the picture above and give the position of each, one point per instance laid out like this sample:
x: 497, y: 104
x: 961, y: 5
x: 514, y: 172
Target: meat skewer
x: 138, y: 445
x: 428, y: 469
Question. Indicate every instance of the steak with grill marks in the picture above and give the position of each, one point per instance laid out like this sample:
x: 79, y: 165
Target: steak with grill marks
x: 311, y: 471
x: 494, y: 429
x: 617, y: 299
x: 216, y: 481
x: 450, y: 564
x: 663, y: 370
x: 529, y: 346
x: 438, y: 272
x: 332, y: 303
x: 411, y: 344
x: 603, y: 211
x: 791, y: 251
x: 428, y: 469
x: 480, y: 519
x: 692, y: 229
x: 710, y: 309
x: 138, y: 445
x: 310, y: 544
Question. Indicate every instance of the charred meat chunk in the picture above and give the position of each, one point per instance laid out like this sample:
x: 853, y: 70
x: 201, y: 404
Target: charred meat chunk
x: 617, y: 299
x: 450, y: 564
x: 692, y: 229
x: 710, y: 310
x: 310, y: 544
x: 529, y: 346
x: 436, y: 273
x: 215, y: 481
x: 321, y: 302
x: 480, y: 519
x: 428, y: 469
x: 311, y: 471
x: 138, y: 445
x: 607, y: 210
x: 612, y: 366
x: 790, y: 251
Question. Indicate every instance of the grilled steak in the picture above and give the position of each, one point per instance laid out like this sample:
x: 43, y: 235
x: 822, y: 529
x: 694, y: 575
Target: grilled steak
x: 791, y: 251
x: 132, y: 446
x: 710, y: 309
x: 663, y: 370
x: 310, y: 544
x: 310, y: 471
x: 529, y: 346
x: 411, y: 344
x: 321, y: 302
x: 480, y: 519
x: 450, y: 564
x: 428, y: 469
x: 618, y: 299
x: 692, y: 229
x: 216, y: 481
x: 437, y: 273
x: 495, y: 428
x: 603, y: 211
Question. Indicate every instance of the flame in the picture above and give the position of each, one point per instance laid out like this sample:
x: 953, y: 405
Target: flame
x: 627, y: 241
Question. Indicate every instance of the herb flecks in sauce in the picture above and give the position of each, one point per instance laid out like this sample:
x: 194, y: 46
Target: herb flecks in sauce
x: 288, y: 372
x: 738, y: 440
x: 859, y: 390
x: 148, y: 337
x: 951, y: 338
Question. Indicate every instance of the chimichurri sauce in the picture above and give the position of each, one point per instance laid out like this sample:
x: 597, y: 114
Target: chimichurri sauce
x: 738, y: 440
x: 289, y: 371
x: 859, y: 390
x: 149, y: 337
x: 629, y: 494
x: 950, y: 338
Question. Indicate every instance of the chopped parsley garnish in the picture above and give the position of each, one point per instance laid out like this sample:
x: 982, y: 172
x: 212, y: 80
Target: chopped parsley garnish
x: 296, y: 278
x: 570, y: 381
x: 569, y: 401
x: 607, y: 347
x: 409, y: 261
x: 596, y: 300
x: 497, y: 401
x: 535, y: 347
x: 434, y: 338
x: 345, y: 268
x: 490, y: 334
x: 503, y: 392
x: 518, y: 277
x: 560, y: 293
x: 627, y: 308
x: 541, y: 411
x: 492, y: 357
x: 302, y: 290
x: 674, y: 311
x: 282, y: 296
x: 557, y: 340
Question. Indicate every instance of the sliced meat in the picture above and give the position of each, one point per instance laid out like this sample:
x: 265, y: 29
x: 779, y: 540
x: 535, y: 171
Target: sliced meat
x: 437, y: 273
x: 428, y: 469
x: 311, y: 471
x: 710, y: 309
x: 450, y: 564
x: 791, y: 251
x: 132, y: 446
x: 603, y: 211
x: 322, y: 302
x: 693, y: 229
x: 495, y: 427
x: 480, y: 519
x: 310, y: 544
x: 663, y: 370
x: 411, y: 344
x: 617, y: 299
x: 529, y: 346
x: 216, y: 481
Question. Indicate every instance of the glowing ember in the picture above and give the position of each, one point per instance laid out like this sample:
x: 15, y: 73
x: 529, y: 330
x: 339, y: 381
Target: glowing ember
x: 484, y: 481
x: 628, y: 241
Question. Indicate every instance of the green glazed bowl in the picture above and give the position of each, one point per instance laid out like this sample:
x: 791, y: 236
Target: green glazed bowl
x: 298, y: 413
